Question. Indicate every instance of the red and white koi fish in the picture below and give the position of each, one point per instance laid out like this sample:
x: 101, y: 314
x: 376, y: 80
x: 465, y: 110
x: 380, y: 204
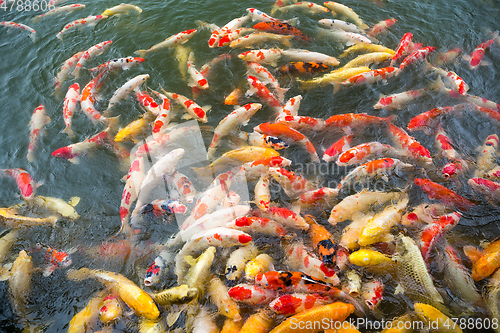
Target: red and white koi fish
x: 381, y: 27
x: 443, y: 144
x: 416, y: 56
x: 262, y: 192
x: 74, y: 151
x: 434, y: 231
x: 291, y: 107
x: 302, y: 122
x: 361, y: 153
x: 337, y: 148
x: 123, y: 63
x: 308, y: 56
x: 236, y: 37
x: 148, y: 102
x: 339, y: 24
x: 281, y: 130
x: 262, y: 56
x: 258, y: 88
x: 10, y: 24
x: 227, y: 30
x: 291, y: 304
x: 447, y: 57
x: 293, y: 184
x: 254, y: 169
x: 252, y: 224
x: 180, y: 187
x: 344, y: 37
x: 94, y: 51
x: 349, y: 121
x: 87, y: 100
x: 58, y: 11
x: 252, y: 294
x: 409, y: 145
x: 126, y: 89
x: 383, y: 168
x: 286, y: 217
x: 38, y: 121
x: 372, y: 293
x: 54, y: 258
x: 476, y: 57
x: 258, y: 15
x: 189, y: 105
x: 321, y: 199
x: 217, y: 219
x: 493, y: 173
x: 423, y: 213
x: 428, y: 121
x: 457, y: 83
x: 163, y: 118
x: 402, y: 48
x: 376, y: 75
x: 261, y: 73
x: 443, y: 194
x: 89, y: 21
x: 69, y: 107
x: 213, y: 237
x: 172, y: 41
x: 207, y: 202
x: 66, y: 68
x: 135, y: 176
x: 489, y: 188
x: 23, y: 180
x: 196, y: 78
x: 299, y: 258
x: 239, y: 116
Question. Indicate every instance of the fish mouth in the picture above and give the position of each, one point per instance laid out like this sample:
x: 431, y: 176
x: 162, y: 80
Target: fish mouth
x: 147, y: 283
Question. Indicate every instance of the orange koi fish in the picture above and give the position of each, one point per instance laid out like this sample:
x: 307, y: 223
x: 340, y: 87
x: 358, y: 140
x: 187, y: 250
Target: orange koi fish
x: 281, y: 28
x: 23, y: 180
x: 443, y: 194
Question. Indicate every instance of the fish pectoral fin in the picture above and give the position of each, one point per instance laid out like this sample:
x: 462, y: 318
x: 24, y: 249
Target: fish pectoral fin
x: 73, y: 201
x: 48, y: 270
x: 466, y: 57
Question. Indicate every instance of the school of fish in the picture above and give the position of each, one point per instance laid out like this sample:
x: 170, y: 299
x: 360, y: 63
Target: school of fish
x: 261, y: 243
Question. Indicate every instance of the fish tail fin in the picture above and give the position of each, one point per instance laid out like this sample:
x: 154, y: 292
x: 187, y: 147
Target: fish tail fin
x: 390, y: 119
x: 336, y: 87
x: 438, y: 85
x: 140, y: 53
x: 293, y: 22
x: 33, y: 36
x: 280, y: 93
x: 364, y: 26
x: 30, y: 156
x: 67, y: 130
x: 78, y: 275
x: 59, y: 35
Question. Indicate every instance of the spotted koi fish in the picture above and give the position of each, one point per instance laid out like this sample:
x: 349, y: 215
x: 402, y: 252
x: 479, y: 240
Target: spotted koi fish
x: 232, y: 25
x: 252, y: 294
x: 87, y: 101
x: 402, y: 48
x: 363, y: 152
x: 88, y: 21
x: 300, y: 68
x: 180, y: 186
x: 123, y: 63
x: 161, y: 207
x: 381, y: 27
x: 10, y: 24
x: 74, y: 151
x: 251, y: 224
x: 286, y: 217
x: 125, y: 90
x: 322, y: 242
x: 58, y: 11
x: 416, y: 56
x: 476, y: 57
x: 371, y: 77
x: 293, y: 184
x: 349, y: 121
x: 372, y: 293
x: 291, y: 107
x: 95, y: 50
x: 258, y: 15
x: 267, y: 78
x: 260, y: 90
x: 189, y: 105
x: 489, y: 188
x: 443, y: 194
x: 172, y: 41
x: 262, y: 56
x: 69, y: 107
x: 339, y: 24
x: 155, y: 272
x: 281, y: 28
x: 427, y: 121
x: 66, y: 68
x: 54, y: 258
x: 38, y: 121
x: 302, y: 122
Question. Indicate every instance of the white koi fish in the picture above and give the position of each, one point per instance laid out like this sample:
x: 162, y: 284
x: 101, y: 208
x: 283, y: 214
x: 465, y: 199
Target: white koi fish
x: 94, y: 51
x: 172, y: 41
x: 38, y: 120
x: 69, y: 108
x: 58, y: 11
x: 123, y: 63
x: 126, y: 89
x: 261, y: 73
x: 135, y: 176
x: 307, y: 56
x: 66, y: 68
x: 196, y: 79
x: 339, y: 24
x: 303, y: 6
x: 258, y: 15
x: 88, y: 21
x: 345, y: 11
x: 344, y: 37
x: 10, y: 24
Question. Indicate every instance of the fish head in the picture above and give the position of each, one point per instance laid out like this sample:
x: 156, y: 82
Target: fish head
x: 476, y: 57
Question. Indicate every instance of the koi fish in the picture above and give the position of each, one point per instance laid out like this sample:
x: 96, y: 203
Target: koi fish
x: 123, y: 63
x: 372, y: 293
x: 322, y: 242
x: 409, y: 145
x: 443, y: 194
x: 281, y: 28
x: 161, y: 207
x: 308, y: 56
x: 252, y: 294
x: 258, y: 88
x: 126, y: 89
x: 434, y: 231
x: 293, y: 184
x: 489, y: 188
x: 196, y: 78
x: 237, y: 260
x: 402, y: 48
x: 189, y: 105
x: 95, y: 50
x: 430, y: 314
x: 370, y: 77
x: 381, y: 27
x: 337, y: 148
x: 339, y: 24
x: 23, y: 180
x: 76, y: 150
x: 20, y: 284
x: 447, y: 57
x: 180, y: 187
x: 110, y: 309
x: 369, y: 258
x: 252, y: 224
x: 416, y: 56
x: 262, y: 56
x: 299, y: 68
x: 87, y: 317
x: 261, y: 73
x: 488, y: 262
x: 66, y: 68
x: 172, y: 41
x: 219, y: 35
x: 335, y: 78
x: 428, y: 120
x: 10, y: 24
x: 155, y: 272
x: 199, y: 272
x: 138, y: 300
x: 321, y: 199
x: 177, y: 294
x: 88, y: 99
x: 343, y: 10
x: 38, y: 121
x: 304, y: 6
x: 11, y: 219
x: 368, y: 59
x: 58, y: 11
x: 130, y: 192
x: 54, y: 258
x: 363, y: 152
x: 123, y: 8
x: 218, y: 293
x: 487, y: 155
x: 291, y: 107
x: 476, y: 57
x: 262, y: 193
x: 69, y: 107
x: 296, y: 303
x: 362, y: 47
x: 89, y: 21
x: 457, y: 83
x: 344, y: 37
x: 260, y: 264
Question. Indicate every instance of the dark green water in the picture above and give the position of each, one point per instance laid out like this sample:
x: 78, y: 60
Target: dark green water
x: 27, y: 70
